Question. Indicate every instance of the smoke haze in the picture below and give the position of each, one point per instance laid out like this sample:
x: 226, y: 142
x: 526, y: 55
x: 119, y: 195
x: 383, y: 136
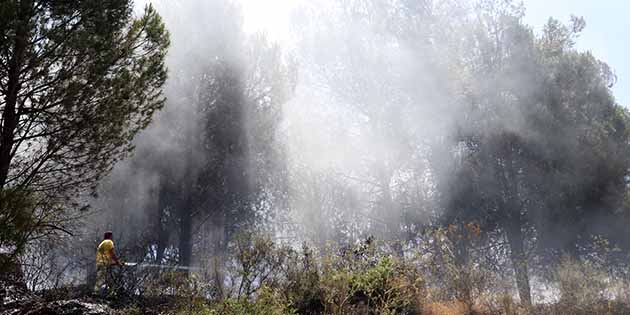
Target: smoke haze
x: 364, y: 118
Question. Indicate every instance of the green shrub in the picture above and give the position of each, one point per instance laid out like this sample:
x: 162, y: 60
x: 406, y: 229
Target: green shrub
x: 270, y: 279
x: 303, y: 282
x: 367, y: 280
x: 268, y: 302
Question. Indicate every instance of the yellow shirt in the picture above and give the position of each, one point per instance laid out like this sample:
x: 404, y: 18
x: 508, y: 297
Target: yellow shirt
x: 103, y: 253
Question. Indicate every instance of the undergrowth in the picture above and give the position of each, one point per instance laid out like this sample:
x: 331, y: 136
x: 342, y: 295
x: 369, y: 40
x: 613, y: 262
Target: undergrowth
x: 366, y: 278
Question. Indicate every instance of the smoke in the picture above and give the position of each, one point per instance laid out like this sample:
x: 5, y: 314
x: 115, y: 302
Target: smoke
x: 373, y: 96
x: 384, y: 118
x: 372, y: 128
x: 202, y: 33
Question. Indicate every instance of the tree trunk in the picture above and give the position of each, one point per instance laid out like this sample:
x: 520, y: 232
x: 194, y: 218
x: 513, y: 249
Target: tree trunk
x: 519, y: 261
x: 185, y: 236
x: 514, y: 221
x: 90, y: 274
x: 161, y: 240
x: 220, y: 235
x: 162, y: 233
x: 462, y: 258
x: 391, y: 216
x: 10, y: 113
x: 186, y: 212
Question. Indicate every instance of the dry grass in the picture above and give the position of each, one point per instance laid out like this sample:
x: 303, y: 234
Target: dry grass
x: 446, y: 308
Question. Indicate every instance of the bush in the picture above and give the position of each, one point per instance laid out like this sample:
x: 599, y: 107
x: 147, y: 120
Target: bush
x: 367, y: 280
x: 268, y: 302
x: 270, y: 279
x: 455, y: 273
x: 361, y: 279
x: 18, y: 224
x: 582, y: 286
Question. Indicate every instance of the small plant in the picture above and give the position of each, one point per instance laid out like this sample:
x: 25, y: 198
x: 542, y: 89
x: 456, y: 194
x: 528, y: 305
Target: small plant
x: 367, y: 280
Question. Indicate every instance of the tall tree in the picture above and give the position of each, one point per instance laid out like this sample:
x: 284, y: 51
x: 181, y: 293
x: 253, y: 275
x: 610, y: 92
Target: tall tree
x: 587, y: 139
x: 78, y: 79
x: 383, y: 79
x: 242, y: 180
x: 544, y: 136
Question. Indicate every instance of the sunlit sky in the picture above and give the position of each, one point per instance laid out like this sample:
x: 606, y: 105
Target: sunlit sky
x: 607, y: 33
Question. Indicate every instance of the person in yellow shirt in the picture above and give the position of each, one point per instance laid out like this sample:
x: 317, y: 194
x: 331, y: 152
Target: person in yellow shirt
x: 105, y: 259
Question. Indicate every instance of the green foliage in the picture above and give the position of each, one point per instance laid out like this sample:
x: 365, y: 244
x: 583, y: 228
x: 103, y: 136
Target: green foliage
x: 268, y: 278
x: 539, y: 152
x: 367, y: 279
x: 82, y: 78
x: 268, y: 302
x: 257, y: 262
x: 543, y: 142
x: 353, y: 280
x: 388, y: 288
x: 17, y: 222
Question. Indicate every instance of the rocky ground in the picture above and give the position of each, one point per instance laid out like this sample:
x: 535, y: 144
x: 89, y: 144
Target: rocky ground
x: 18, y: 302
x: 15, y: 299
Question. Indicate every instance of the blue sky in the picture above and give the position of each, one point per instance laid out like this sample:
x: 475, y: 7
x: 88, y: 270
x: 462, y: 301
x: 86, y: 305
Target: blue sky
x: 607, y: 33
